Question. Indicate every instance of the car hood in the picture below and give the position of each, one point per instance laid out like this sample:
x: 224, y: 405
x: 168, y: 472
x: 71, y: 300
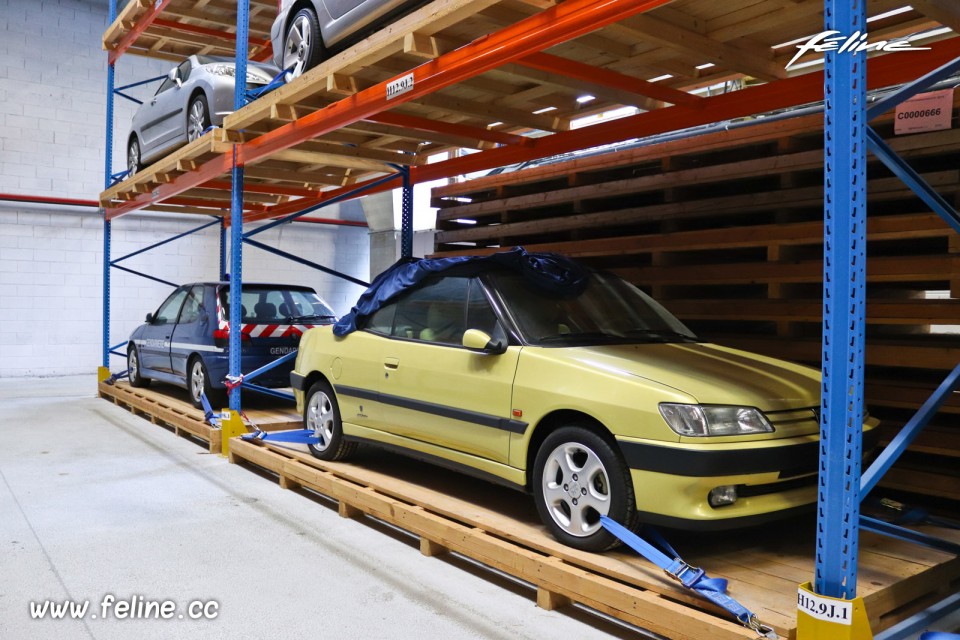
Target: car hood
x: 711, y: 374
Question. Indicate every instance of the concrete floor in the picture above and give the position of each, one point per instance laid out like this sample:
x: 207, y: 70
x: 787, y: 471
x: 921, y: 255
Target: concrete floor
x: 96, y: 501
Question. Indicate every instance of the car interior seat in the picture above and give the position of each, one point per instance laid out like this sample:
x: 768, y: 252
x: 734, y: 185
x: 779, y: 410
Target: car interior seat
x: 265, y: 311
x: 284, y: 310
x: 444, y: 323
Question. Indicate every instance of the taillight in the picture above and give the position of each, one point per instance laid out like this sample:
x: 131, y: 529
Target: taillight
x: 221, y: 337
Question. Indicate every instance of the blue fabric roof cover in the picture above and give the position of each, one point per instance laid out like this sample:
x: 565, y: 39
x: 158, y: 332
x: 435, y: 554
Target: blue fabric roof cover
x: 549, y: 271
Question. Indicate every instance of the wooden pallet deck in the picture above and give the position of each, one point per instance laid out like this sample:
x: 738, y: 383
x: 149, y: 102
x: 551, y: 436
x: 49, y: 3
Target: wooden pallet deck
x: 646, y: 62
x: 499, y: 528
x: 168, y: 406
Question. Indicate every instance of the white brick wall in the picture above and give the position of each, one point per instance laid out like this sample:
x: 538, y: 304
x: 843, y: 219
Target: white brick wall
x: 52, y: 136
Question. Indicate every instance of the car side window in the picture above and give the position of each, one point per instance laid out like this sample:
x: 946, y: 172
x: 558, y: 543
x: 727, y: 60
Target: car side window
x: 192, y: 306
x: 170, y: 309
x: 166, y: 84
x: 480, y: 315
x: 184, y: 70
x: 382, y: 320
x: 435, y: 312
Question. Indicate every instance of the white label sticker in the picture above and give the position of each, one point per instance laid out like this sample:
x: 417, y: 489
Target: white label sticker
x: 399, y: 86
x: 225, y: 415
x: 827, y: 609
x: 155, y: 193
x: 931, y: 111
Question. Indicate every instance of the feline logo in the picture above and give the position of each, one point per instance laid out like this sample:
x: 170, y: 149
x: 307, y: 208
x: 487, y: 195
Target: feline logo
x: 833, y: 40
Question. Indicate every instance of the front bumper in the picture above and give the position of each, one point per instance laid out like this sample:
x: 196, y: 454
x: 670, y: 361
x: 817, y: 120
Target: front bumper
x: 774, y: 479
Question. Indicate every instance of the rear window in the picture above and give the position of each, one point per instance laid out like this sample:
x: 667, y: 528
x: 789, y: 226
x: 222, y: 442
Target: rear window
x: 279, y: 305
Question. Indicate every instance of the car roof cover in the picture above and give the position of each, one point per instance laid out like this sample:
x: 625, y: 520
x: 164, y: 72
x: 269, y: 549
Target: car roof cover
x: 548, y: 271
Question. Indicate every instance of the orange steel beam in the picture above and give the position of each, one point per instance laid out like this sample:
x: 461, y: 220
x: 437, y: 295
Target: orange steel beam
x: 204, y: 173
x: 272, y: 189
x: 598, y: 75
x: 552, y: 26
x: 883, y: 71
x: 142, y: 25
x: 435, y: 126
x: 205, y: 31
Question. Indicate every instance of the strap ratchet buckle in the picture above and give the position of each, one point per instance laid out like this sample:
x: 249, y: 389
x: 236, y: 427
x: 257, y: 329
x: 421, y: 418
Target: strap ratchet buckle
x: 762, y: 630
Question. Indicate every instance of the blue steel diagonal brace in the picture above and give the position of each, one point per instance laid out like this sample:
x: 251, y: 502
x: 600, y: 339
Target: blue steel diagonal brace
x: 340, y: 198
x: 909, y: 432
x: 303, y: 261
x: 163, y: 242
x: 912, y: 179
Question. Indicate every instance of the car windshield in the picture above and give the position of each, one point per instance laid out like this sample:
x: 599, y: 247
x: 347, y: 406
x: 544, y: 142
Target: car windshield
x: 279, y: 305
x: 608, y: 310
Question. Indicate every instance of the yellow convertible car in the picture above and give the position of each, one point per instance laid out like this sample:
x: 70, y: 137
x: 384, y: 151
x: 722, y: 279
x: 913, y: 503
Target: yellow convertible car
x: 529, y: 370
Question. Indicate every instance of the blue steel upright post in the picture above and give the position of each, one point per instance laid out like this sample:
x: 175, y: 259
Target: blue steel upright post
x: 236, y: 205
x: 844, y: 280
x: 108, y: 171
x: 406, y: 215
x: 223, y: 246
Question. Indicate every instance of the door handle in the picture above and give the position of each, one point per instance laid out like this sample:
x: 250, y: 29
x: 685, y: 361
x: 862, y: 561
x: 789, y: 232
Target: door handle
x: 153, y: 102
x: 391, y: 363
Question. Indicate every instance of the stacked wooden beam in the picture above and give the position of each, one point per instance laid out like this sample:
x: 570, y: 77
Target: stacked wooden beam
x: 725, y: 228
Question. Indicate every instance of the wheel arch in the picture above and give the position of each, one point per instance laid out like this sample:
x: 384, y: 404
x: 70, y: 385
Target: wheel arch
x: 561, y: 418
x: 292, y: 13
x: 313, y: 378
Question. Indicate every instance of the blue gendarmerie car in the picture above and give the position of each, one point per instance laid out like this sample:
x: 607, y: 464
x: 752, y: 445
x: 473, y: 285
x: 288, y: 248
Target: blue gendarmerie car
x: 185, y: 341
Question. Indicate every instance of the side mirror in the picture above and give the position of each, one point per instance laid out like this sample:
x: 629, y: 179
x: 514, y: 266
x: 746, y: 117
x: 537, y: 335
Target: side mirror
x: 476, y: 340
x: 174, y: 76
x: 149, y: 318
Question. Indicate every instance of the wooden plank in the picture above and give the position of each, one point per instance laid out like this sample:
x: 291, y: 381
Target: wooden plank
x: 764, y: 571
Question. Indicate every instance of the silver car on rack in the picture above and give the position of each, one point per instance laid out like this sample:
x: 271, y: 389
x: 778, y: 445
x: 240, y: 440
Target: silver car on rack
x: 306, y: 32
x: 196, y: 94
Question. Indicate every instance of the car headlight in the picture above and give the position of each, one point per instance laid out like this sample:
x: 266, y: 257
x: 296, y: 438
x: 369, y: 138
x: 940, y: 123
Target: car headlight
x: 222, y: 70
x: 698, y: 420
x: 230, y: 71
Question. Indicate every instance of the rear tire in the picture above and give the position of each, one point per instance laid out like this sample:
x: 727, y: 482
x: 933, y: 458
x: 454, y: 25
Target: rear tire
x: 321, y: 414
x: 579, y: 476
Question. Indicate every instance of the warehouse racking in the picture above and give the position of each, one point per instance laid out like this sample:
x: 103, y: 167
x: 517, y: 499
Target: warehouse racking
x: 367, y: 119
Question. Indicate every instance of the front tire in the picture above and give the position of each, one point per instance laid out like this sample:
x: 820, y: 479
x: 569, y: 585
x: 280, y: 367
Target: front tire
x: 133, y: 367
x: 321, y: 414
x: 198, y: 117
x: 578, y: 476
x: 302, y: 45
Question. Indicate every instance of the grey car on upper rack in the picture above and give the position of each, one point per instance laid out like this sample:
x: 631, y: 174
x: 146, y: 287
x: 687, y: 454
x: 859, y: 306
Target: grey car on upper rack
x: 196, y: 94
x: 306, y: 32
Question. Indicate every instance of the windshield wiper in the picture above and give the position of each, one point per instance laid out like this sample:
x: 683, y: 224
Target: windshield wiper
x: 299, y: 319
x: 581, y: 335
x: 663, y: 334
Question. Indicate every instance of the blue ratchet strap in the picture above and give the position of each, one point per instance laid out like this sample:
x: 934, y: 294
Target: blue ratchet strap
x: 301, y: 436
x: 208, y: 415
x: 278, y: 81
x: 117, y: 376
x: 939, y: 635
x: 713, y: 589
x: 908, y: 514
x: 117, y: 177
